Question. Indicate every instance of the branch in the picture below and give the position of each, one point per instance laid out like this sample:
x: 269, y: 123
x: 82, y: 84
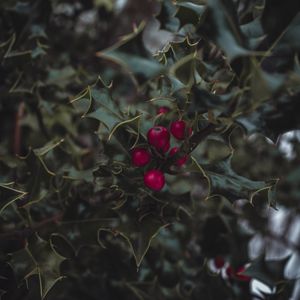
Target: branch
x: 28, y: 231
x: 17, y: 131
x: 186, y: 149
x: 198, y: 137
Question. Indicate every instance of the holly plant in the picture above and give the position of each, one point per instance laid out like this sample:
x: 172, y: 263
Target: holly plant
x: 141, y: 151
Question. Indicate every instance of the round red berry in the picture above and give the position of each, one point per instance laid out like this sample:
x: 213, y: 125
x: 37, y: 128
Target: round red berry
x: 178, y: 129
x: 159, y: 137
x: 219, y: 262
x: 154, y: 180
x: 140, y: 157
x: 180, y: 161
x: 163, y: 110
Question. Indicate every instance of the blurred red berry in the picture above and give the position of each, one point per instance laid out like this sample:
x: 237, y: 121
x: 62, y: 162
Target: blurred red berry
x: 166, y: 147
x: 140, y: 157
x: 159, y: 137
x: 180, y: 161
x: 163, y: 110
x: 178, y: 129
x: 154, y: 180
x: 219, y: 262
x: 229, y: 271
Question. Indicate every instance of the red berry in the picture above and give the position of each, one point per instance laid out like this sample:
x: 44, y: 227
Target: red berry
x: 154, y: 180
x: 159, y: 137
x: 140, y: 157
x: 166, y: 147
x: 163, y: 110
x: 229, y: 271
x: 178, y: 129
x: 240, y: 276
x: 180, y: 161
x: 219, y: 262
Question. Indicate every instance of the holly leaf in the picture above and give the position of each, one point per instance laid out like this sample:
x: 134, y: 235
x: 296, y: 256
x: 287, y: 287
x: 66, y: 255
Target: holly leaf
x: 270, y: 272
x: 148, y: 67
x: 138, y: 233
x: 132, y: 64
x: 220, y: 23
x: 39, y: 173
x: 84, y: 232
x: 226, y: 182
x: 196, y: 8
x: 106, y: 111
x: 203, y: 101
x: 106, y: 117
x: 61, y: 77
x: 84, y: 175
x: 38, y: 258
x: 8, y: 195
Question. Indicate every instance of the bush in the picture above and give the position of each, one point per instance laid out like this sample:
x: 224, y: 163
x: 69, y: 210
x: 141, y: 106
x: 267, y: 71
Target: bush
x: 141, y: 148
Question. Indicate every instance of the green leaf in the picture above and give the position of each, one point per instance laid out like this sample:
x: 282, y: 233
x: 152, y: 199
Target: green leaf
x: 62, y: 246
x: 38, y: 171
x: 226, y: 182
x: 202, y: 101
x: 37, y: 52
x: 263, y: 85
x: 270, y: 272
x: 220, y: 23
x: 84, y: 175
x: 253, y: 29
x: 137, y: 233
x: 126, y: 122
x: 134, y: 64
x: 107, y: 112
x: 106, y: 117
x: 179, y: 184
x: 187, y: 69
x: 61, y: 77
x: 48, y: 147
x: 8, y: 195
x: 41, y: 259
x: 81, y: 233
x: 198, y: 9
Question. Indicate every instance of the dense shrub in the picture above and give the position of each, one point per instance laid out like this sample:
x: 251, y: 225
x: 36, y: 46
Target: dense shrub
x: 139, y: 153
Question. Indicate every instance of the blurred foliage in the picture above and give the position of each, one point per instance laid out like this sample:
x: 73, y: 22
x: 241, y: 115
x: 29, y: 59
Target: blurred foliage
x: 80, y: 85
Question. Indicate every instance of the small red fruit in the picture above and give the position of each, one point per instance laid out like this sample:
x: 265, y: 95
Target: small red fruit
x: 140, y: 157
x: 166, y: 147
x: 159, y: 137
x: 219, y: 262
x: 229, y: 272
x: 163, y: 110
x: 154, y: 180
x: 178, y: 129
x: 180, y: 161
x: 240, y: 276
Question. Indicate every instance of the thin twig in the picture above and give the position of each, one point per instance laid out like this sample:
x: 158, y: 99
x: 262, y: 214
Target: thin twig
x: 17, y: 131
x: 26, y: 232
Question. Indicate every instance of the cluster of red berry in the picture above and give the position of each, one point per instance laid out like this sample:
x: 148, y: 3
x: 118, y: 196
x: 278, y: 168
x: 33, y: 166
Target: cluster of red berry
x: 159, y: 141
x: 229, y: 272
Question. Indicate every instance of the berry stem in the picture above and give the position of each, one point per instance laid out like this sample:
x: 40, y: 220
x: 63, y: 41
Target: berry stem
x: 186, y: 149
